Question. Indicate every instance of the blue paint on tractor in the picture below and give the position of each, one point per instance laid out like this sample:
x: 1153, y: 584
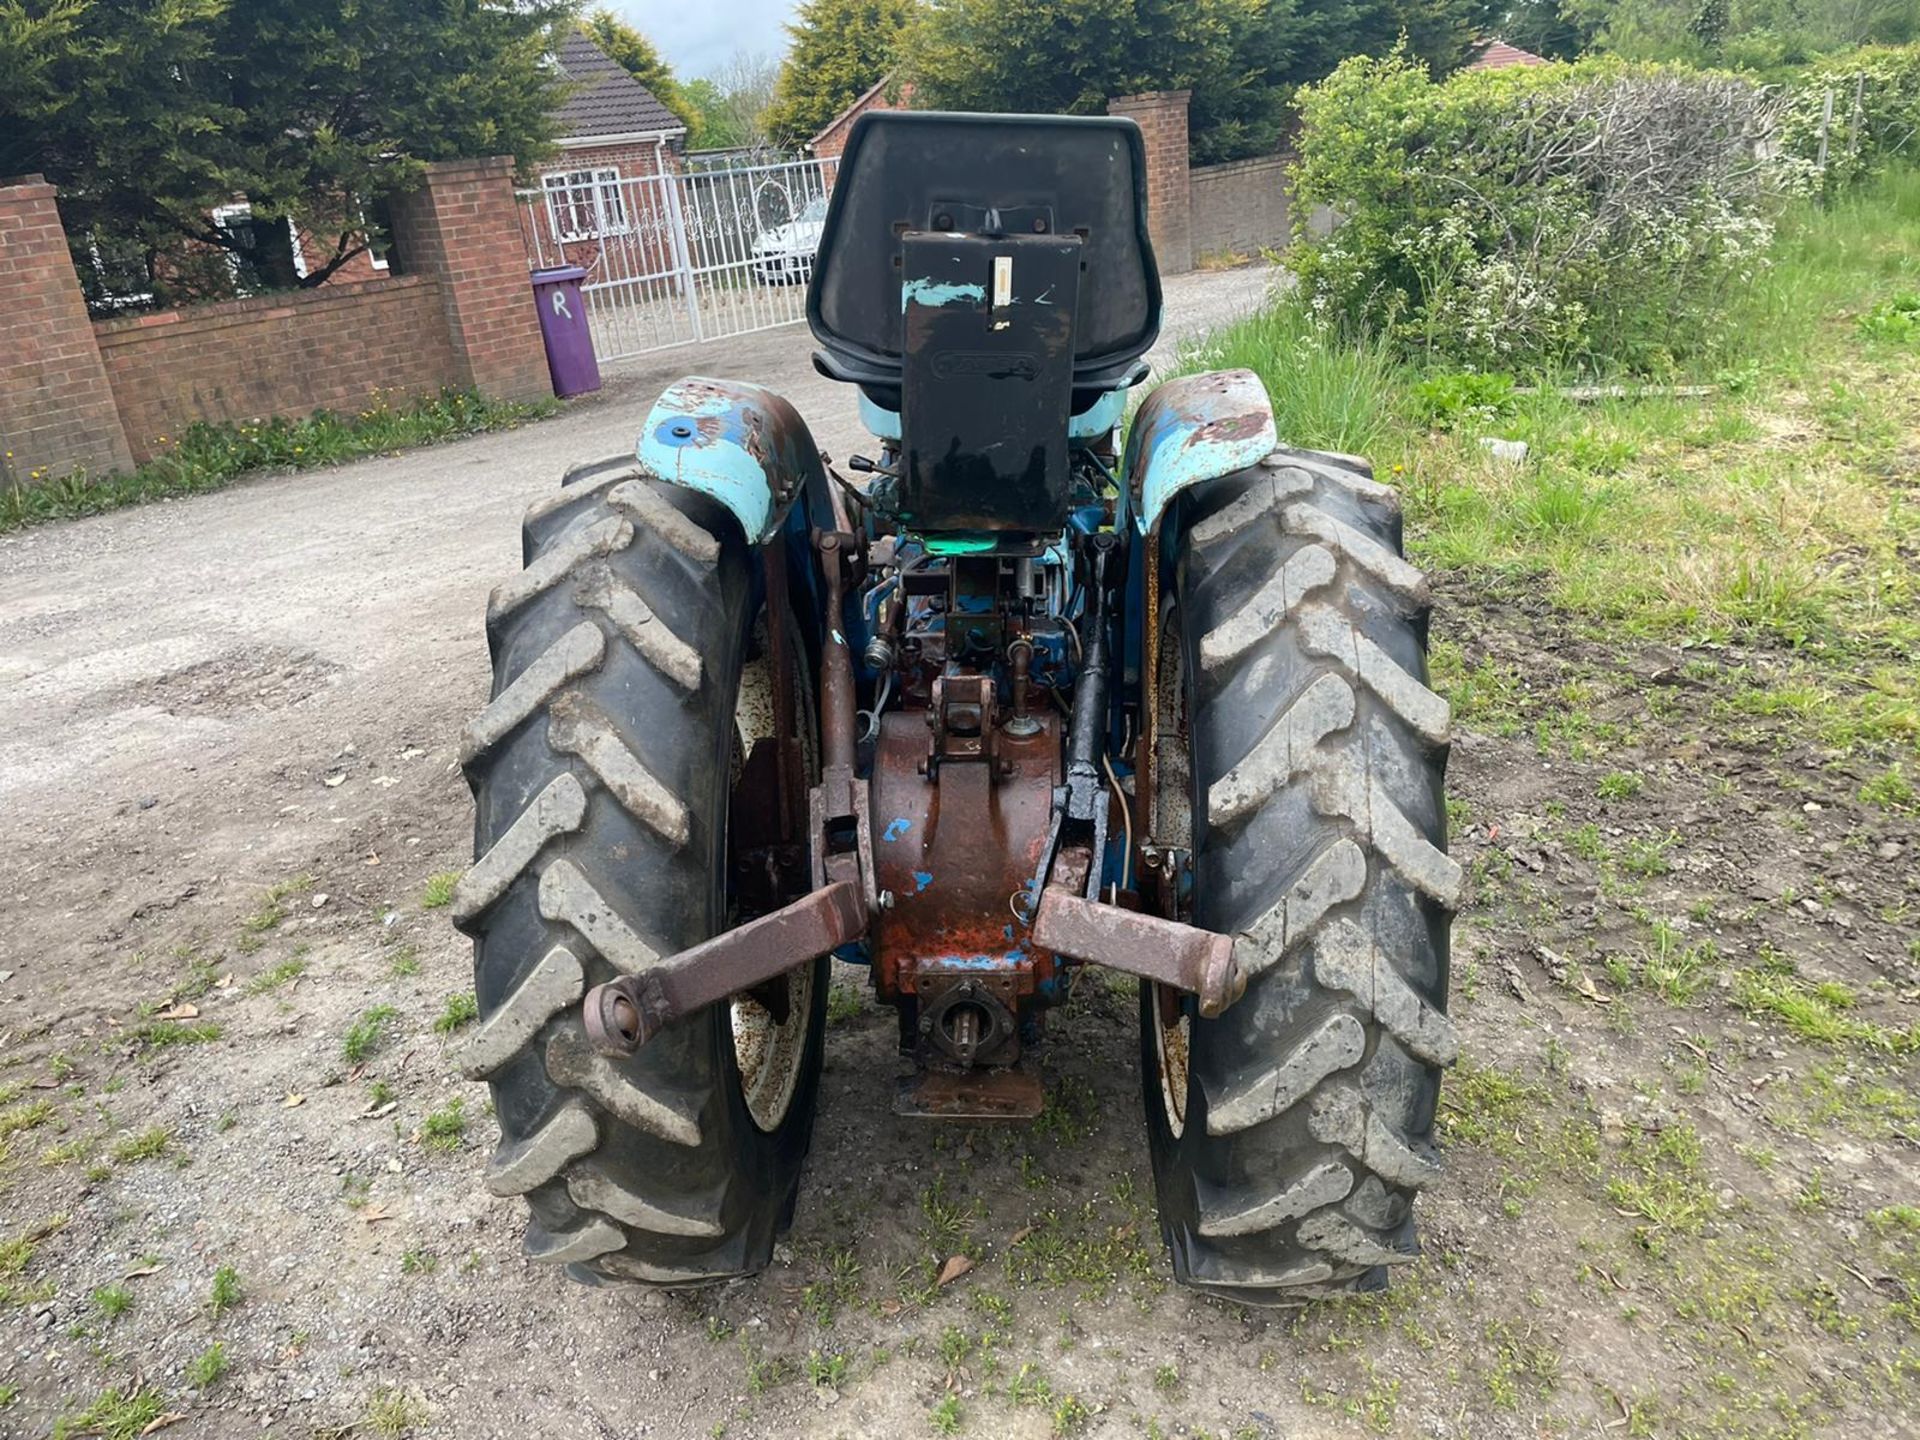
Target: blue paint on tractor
x: 741, y: 444
x: 896, y: 828
x: 1191, y: 430
x: 921, y: 879
x: 937, y: 292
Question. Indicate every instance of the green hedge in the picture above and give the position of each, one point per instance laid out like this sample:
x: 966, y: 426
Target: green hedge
x: 1883, y: 82
x: 1594, y: 215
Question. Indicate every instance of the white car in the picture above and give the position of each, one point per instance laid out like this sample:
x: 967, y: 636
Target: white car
x: 785, y: 253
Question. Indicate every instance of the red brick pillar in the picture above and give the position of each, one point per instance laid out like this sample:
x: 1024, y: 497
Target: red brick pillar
x: 1162, y: 118
x: 56, y: 408
x: 462, y: 227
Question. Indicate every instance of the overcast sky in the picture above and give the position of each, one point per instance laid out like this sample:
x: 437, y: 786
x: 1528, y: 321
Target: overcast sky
x: 697, y: 36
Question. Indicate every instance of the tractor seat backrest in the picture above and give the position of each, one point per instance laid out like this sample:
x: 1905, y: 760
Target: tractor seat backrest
x: 921, y: 172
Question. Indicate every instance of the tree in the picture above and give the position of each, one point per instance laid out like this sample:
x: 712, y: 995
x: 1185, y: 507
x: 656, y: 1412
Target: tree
x: 150, y: 113
x: 841, y: 49
x: 1241, y: 58
x: 636, y: 55
x: 732, y: 102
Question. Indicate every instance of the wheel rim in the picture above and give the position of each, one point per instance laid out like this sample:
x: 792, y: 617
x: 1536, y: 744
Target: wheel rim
x: 1170, y: 822
x: 768, y: 1054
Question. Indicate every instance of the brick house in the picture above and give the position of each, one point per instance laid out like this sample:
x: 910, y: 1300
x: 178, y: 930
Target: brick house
x: 613, y: 134
x: 832, y: 138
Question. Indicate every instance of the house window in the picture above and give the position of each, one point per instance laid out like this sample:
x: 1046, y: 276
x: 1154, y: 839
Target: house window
x: 585, y: 204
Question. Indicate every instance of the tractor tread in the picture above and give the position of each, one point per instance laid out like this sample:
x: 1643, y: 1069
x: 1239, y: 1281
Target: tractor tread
x: 645, y: 504
x: 581, y: 649
x: 557, y: 810
x: 599, y: 771
x: 1318, y: 749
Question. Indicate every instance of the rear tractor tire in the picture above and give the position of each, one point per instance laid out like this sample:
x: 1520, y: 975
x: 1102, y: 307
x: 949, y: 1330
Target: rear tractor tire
x: 629, y: 680
x: 1300, y: 756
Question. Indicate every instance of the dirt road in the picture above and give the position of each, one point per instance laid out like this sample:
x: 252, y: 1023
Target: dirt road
x: 227, y: 771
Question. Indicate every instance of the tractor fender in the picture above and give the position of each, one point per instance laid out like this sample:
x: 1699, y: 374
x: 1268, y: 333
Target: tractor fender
x: 740, y: 444
x: 1192, y: 430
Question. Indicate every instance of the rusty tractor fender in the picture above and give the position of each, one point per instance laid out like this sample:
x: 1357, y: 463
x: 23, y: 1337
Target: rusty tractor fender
x: 1192, y: 430
x: 741, y: 444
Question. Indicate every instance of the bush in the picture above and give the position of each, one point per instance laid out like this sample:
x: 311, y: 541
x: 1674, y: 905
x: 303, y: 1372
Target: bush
x: 1594, y: 215
x: 1885, y: 81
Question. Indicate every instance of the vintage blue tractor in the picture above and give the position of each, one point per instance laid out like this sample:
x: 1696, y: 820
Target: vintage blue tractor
x: 1000, y: 702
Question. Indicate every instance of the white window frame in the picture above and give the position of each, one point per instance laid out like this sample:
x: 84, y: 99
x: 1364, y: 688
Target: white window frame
x: 243, y: 210
x: 571, y: 193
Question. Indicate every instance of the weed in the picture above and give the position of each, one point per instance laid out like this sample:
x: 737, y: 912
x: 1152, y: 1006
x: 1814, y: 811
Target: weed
x: 16, y: 1118
x: 147, y: 1145
x: 829, y: 1370
x: 159, y: 1034
x: 1166, y: 1379
x: 443, y: 1128
x: 379, y: 1093
x: 212, y: 456
x: 365, y: 1035
x: 405, y: 963
x: 416, y: 1261
x: 439, y: 889
x: 461, y: 1009
x: 946, y: 1415
x: 226, y: 1292
x: 285, y: 973
x: 1890, y: 790
x: 391, y: 1413
x: 1817, y: 1013
x: 113, y: 1416
x: 113, y: 1301
x: 1619, y: 785
x: 208, y: 1366
x: 844, y: 1003
x: 272, y: 908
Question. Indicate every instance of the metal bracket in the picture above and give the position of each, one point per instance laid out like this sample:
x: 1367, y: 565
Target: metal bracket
x: 1182, y: 956
x: 622, y: 1015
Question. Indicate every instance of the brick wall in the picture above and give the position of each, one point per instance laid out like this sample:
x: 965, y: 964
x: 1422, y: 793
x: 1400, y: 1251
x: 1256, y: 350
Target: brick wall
x: 1162, y: 118
x: 56, y: 410
x: 275, y: 355
x: 461, y: 227
x: 1239, y: 208
x: 456, y: 309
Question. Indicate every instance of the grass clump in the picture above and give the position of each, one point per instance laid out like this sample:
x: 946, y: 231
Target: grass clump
x: 208, y: 1366
x: 285, y: 973
x: 225, y: 1292
x: 1819, y: 1013
x: 367, y: 1033
x: 443, y: 1128
x: 461, y: 1010
x: 160, y: 1034
x: 212, y: 456
x: 113, y: 1301
x: 439, y: 889
x: 113, y: 1416
x: 392, y: 1413
x: 147, y: 1145
x: 30, y: 1116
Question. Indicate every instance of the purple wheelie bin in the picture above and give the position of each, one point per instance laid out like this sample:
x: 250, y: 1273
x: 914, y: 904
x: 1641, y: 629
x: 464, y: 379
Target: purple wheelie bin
x: 563, y: 325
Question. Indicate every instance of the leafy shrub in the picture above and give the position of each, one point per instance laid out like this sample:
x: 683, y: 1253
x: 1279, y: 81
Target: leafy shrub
x: 1897, y: 320
x: 1595, y: 215
x: 1876, y: 114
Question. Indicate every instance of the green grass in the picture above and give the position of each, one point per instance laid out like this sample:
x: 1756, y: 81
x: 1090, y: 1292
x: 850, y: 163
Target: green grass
x: 444, y: 1127
x: 367, y: 1033
x: 113, y: 1301
x: 225, y: 1292
x: 439, y: 889
x: 147, y: 1145
x: 1766, y: 516
x: 208, y: 1366
x: 285, y: 973
x: 113, y: 1416
x: 1821, y: 1014
x: 30, y: 1116
x: 461, y: 1010
x: 392, y: 1413
x: 160, y: 1034
x: 210, y: 457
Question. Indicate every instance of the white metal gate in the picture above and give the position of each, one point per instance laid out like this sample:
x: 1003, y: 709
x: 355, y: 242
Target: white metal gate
x: 685, y: 256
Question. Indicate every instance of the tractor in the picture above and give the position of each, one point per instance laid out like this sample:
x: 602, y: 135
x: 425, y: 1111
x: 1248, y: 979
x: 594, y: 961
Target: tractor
x: 1004, y: 700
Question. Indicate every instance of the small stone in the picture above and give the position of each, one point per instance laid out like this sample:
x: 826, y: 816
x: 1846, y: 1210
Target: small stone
x: 321, y: 899
x: 1514, y: 452
x: 1813, y: 807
